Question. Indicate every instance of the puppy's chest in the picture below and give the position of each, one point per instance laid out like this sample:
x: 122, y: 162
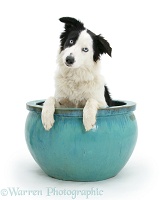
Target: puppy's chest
x: 71, y: 94
x: 75, y: 90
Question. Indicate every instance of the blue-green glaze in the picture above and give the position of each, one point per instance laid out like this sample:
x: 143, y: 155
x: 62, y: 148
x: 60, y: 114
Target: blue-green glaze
x: 68, y: 152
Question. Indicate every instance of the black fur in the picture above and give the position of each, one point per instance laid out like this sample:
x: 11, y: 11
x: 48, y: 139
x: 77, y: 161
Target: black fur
x: 71, y: 23
x: 100, y: 46
x: 71, y: 37
x: 107, y: 97
x: 72, y: 26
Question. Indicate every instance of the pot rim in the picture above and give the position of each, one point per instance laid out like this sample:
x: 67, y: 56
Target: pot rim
x: 128, y: 106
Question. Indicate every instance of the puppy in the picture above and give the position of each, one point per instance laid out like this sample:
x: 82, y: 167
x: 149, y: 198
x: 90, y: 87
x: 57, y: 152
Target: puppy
x: 78, y: 81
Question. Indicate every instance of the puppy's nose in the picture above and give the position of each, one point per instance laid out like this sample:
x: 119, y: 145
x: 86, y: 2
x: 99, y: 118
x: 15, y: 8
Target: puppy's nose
x: 70, y: 60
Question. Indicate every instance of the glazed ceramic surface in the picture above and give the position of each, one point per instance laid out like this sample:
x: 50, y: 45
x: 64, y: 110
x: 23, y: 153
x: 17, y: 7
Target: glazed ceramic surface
x: 68, y: 152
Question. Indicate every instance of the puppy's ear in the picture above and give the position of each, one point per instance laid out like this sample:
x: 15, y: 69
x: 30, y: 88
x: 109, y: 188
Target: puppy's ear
x: 103, y: 45
x: 71, y: 23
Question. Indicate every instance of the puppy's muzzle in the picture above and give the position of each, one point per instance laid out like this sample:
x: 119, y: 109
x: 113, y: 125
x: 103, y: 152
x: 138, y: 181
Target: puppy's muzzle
x: 69, y: 60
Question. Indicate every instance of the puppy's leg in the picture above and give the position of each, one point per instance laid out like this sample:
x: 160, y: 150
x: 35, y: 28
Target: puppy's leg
x: 47, y: 114
x: 89, y: 114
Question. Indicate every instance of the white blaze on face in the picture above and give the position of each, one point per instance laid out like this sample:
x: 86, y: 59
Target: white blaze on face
x: 82, y: 51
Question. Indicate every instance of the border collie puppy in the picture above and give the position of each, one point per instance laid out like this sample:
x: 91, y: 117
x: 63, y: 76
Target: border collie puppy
x: 78, y: 81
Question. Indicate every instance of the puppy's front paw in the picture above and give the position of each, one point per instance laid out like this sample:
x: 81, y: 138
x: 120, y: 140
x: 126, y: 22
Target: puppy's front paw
x: 89, y: 121
x: 47, y: 117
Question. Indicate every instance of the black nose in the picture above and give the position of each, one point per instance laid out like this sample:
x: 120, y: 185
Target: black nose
x: 70, y: 60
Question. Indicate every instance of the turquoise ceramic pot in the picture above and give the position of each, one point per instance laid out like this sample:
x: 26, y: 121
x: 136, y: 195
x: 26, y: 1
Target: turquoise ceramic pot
x: 67, y: 152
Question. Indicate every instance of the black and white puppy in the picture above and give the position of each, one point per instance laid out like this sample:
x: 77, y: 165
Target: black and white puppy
x: 78, y: 81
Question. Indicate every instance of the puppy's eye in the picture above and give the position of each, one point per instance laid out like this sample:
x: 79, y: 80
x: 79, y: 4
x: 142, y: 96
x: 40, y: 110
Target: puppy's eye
x: 71, y: 42
x: 85, y: 49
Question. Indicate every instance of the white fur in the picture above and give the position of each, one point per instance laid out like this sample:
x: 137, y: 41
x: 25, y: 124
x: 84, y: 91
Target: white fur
x: 48, y: 112
x: 81, y: 82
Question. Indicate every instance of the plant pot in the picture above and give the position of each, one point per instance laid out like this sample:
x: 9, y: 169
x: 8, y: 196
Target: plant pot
x: 68, y: 152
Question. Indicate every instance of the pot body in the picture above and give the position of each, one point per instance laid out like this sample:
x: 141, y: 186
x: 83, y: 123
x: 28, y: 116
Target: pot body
x: 68, y: 152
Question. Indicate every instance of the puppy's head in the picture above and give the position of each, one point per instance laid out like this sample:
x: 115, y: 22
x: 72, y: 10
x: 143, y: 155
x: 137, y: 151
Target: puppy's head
x: 79, y: 46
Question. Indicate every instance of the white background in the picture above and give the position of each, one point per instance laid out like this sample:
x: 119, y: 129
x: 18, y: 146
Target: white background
x: 29, y: 40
